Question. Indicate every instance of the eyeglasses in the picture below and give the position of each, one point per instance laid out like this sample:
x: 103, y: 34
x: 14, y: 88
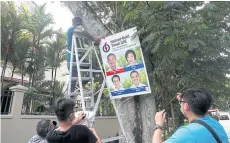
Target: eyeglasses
x: 182, y: 102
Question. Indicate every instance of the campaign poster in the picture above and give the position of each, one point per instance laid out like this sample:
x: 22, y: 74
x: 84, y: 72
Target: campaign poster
x: 124, y: 65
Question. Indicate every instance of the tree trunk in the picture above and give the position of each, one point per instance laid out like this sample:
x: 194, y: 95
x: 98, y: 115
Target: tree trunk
x: 30, y: 80
x: 4, y: 69
x: 32, y: 61
x: 137, y: 112
x: 22, y: 79
x: 33, y: 75
x: 173, y: 116
x: 12, y: 74
x: 52, y: 77
x: 55, y: 74
x: 11, y: 43
x: 137, y: 117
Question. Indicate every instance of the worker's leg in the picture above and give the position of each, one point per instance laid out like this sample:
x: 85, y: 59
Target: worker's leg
x: 74, y: 74
x: 73, y: 83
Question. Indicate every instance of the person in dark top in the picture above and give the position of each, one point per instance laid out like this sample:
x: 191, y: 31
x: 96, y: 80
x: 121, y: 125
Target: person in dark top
x: 69, y: 131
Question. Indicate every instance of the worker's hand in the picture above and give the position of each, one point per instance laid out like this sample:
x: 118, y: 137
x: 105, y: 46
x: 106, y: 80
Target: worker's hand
x: 178, y: 96
x: 98, y: 40
x: 78, y: 30
x: 160, y: 117
x: 79, y: 117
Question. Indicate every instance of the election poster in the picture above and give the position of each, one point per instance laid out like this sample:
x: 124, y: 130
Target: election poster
x: 124, y: 65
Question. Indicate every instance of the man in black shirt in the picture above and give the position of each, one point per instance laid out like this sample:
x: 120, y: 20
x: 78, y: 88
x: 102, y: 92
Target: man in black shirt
x: 69, y: 131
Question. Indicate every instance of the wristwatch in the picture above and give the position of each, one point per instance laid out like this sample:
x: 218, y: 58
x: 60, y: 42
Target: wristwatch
x: 158, y: 127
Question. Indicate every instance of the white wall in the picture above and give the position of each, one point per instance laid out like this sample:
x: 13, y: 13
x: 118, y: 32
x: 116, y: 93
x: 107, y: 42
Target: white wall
x: 17, y: 128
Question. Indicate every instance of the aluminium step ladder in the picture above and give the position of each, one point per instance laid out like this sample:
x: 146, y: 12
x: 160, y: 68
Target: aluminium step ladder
x: 84, y: 92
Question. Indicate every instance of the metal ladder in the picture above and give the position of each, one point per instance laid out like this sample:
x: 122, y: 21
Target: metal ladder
x: 85, y: 75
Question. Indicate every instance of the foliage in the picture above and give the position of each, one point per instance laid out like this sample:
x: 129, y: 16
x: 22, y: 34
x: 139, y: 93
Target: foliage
x: 138, y: 55
x: 33, y: 46
x: 10, y: 26
x: 185, y: 44
x: 121, y: 62
x: 127, y: 83
x: 143, y: 78
x: 105, y: 107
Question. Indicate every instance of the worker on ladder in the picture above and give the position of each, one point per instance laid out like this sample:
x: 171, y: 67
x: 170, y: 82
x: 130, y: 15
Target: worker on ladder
x: 77, y: 40
x: 77, y: 26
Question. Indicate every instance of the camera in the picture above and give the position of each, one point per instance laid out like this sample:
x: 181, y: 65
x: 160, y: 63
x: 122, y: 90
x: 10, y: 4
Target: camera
x: 89, y: 115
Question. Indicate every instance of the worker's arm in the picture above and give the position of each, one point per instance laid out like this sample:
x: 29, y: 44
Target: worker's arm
x: 157, y: 136
x: 159, y: 120
x: 79, y: 118
x: 85, y: 33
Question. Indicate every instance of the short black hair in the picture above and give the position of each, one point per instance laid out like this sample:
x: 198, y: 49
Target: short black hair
x: 43, y: 127
x: 77, y: 21
x: 111, y: 54
x: 199, y: 100
x: 133, y: 72
x: 130, y: 51
x: 116, y: 76
x: 63, y: 108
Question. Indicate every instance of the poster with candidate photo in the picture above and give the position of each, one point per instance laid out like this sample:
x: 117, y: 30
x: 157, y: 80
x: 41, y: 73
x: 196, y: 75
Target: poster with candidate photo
x: 124, y: 65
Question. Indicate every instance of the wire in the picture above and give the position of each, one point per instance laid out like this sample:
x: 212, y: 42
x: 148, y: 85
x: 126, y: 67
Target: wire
x: 174, y: 96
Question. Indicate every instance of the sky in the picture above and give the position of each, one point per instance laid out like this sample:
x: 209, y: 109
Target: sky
x: 62, y: 15
x: 63, y: 19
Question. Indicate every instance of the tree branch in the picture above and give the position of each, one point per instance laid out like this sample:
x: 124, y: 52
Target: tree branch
x: 95, y: 14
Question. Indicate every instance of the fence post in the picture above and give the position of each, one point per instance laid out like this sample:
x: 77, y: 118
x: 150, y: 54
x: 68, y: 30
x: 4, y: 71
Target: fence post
x: 18, y: 96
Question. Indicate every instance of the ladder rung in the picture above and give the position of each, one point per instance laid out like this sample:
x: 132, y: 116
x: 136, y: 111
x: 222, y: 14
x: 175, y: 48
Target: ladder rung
x: 90, y: 70
x: 82, y: 64
x: 76, y: 107
x: 112, y: 139
x: 82, y: 78
x: 85, y: 64
x: 79, y: 99
x: 78, y: 92
x: 82, y: 49
x: 87, y: 97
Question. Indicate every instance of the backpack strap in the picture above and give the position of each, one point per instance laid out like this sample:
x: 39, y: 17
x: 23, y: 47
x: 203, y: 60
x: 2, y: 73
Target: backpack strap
x: 209, y: 129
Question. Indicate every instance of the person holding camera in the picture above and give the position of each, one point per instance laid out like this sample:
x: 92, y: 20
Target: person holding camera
x: 69, y: 131
x: 194, y: 105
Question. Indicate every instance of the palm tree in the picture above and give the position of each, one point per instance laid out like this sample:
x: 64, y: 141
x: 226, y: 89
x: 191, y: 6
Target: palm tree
x: 55, y: 54
x: 19, y: 54
x: 38, y: 23
x: 10, y: 28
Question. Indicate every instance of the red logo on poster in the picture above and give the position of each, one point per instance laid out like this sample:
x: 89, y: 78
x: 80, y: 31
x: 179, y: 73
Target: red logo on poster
x: 106, y: 47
